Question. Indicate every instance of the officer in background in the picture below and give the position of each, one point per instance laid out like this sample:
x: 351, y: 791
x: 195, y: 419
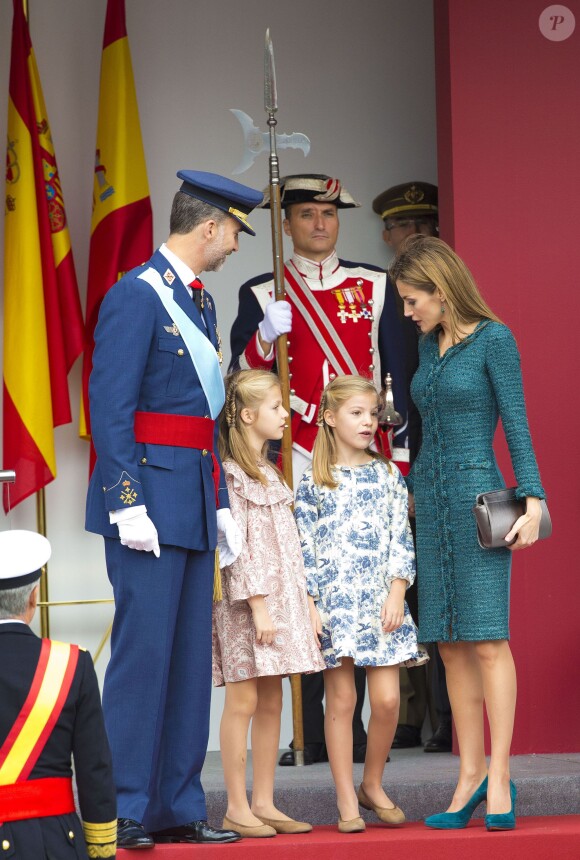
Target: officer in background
x: 405, y: 209
x: 159, y: 498
x: 50, y: 709
x: 341, y: 317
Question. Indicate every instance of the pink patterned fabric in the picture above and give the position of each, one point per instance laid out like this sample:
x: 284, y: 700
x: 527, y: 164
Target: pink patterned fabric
x: 270, y: 564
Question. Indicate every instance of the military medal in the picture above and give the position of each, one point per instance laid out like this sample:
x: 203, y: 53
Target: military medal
x: 366, y: 312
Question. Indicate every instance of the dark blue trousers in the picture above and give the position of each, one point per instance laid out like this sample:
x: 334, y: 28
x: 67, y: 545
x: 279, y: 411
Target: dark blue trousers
x: 156, y: 696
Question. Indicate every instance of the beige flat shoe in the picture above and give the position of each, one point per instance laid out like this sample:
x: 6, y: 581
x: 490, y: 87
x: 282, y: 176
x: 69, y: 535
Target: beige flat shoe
x: 281, y: 825
x: 353, y: 825
x: 257, y: 831
x: 393, y: 816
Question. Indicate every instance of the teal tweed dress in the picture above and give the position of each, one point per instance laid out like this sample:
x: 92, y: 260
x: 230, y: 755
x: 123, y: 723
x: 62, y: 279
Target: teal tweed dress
x: 463, y: 589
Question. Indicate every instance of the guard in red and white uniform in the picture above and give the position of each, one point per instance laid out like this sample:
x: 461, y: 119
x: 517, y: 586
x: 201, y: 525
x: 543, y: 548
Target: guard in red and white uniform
x: 340, y: 317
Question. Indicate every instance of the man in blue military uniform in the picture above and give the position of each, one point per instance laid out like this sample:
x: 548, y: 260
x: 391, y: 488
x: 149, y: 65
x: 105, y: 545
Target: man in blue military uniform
x: 50, y: 709
x: 155, y: 392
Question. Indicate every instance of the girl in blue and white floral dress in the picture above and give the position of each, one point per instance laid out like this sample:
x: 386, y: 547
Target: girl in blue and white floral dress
x: 351, y: 510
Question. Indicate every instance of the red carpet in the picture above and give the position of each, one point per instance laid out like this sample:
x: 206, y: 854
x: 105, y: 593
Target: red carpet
x: 549, y: 838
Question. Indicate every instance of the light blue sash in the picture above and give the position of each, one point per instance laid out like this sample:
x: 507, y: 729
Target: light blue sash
x: 200, y: 348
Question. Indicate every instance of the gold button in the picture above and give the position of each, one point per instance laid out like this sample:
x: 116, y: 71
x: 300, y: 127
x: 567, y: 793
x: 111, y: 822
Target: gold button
x: 371, y: 367
x: 180, y: 352
x: 71, y: 835
x: 332, y: 375
x: 204, y: 452
x: 5, y: 845
x: 143, y: 459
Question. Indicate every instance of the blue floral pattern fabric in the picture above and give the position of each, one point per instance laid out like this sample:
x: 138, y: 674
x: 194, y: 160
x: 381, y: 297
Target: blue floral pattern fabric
x: 355, y: 540
x: 464, y: 589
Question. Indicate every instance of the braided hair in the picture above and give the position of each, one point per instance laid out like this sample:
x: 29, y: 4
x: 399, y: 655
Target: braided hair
x: 245, y: 389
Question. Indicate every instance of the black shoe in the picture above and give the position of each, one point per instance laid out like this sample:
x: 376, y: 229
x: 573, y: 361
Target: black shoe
x: 131, y: 834
x: 441, y: 740
x: 313, y: 753
x: 406, y: 737
x: 196, y: 832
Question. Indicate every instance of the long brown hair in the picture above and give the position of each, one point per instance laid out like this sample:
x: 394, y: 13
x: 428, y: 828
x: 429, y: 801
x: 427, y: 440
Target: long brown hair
x: 245, y: 389
x: 429, y: 264
x: 324, y: 453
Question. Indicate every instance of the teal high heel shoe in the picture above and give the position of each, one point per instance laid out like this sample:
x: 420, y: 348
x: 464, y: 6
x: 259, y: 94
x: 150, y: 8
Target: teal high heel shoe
x: 458, y: 820
x: 504, y: 820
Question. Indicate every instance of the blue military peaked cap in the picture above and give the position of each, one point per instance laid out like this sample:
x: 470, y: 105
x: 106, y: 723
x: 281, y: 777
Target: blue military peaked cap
x: 232, y: 197
x: 22, y: 554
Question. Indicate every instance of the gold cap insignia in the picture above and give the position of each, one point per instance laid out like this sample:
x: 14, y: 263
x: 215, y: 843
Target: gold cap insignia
x: 414, y: 194
x: 241, y: 216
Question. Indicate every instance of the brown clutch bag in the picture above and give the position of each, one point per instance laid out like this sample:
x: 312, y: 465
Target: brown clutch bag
x: 496, y: 512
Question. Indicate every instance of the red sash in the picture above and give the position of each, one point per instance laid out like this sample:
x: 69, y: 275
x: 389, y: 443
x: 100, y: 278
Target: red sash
x: 36, y: 798
x: 181, y: 431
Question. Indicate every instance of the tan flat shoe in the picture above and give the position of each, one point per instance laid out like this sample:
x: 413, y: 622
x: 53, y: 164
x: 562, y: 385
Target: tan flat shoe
x: 282, y: 825
x: 391, y: 815
x: 257, y: 831
x: 353, y: 825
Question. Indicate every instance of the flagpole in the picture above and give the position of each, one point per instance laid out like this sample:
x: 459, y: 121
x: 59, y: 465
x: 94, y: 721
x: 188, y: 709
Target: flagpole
x: 41, y: 506
x: 41, y: 528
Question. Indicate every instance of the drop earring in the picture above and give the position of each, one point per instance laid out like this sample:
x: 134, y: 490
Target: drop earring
x: 442, y: 308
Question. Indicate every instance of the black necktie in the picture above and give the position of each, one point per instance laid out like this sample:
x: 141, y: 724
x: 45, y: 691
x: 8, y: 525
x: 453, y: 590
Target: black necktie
x: 197, y: 288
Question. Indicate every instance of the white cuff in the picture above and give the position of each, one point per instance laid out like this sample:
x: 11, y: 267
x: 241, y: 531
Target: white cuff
x: 122, y: 514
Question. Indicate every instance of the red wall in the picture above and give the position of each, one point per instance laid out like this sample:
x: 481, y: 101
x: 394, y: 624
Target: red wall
x: 508, y: 104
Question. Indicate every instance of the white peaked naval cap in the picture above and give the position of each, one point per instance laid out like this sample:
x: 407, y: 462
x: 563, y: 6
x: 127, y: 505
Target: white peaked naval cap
x: 22, y: 555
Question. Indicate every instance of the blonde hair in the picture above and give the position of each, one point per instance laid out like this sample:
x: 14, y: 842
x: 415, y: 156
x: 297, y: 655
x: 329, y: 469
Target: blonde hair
x: 245, y: 389
x: 429, y: 264
x: 324, y: 453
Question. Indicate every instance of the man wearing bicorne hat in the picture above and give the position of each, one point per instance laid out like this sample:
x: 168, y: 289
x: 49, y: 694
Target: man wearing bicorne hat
x: 405, y: 209
x: 158, y: 497
x: 340, y: 318
x: 50, y: 711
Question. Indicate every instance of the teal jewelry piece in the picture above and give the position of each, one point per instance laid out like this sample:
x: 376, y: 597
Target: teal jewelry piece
x: 460, y: 819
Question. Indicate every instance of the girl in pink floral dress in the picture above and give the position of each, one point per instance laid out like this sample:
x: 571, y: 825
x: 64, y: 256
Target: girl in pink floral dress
x: 262, y: 628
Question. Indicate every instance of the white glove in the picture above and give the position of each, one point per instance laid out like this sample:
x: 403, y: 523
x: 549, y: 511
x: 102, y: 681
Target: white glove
x: 139, y: 533
x: 229, y: 537
x: 277, y: 320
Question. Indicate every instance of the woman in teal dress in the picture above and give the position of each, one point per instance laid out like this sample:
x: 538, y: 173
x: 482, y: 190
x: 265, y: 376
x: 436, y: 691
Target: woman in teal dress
x: 468, y: 377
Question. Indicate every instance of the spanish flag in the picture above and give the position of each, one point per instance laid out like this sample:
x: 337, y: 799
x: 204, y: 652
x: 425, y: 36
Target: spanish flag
x: 122, y: 221
x: 43, y: 326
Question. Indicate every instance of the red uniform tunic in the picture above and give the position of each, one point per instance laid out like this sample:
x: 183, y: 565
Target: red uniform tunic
x: 352, y: 299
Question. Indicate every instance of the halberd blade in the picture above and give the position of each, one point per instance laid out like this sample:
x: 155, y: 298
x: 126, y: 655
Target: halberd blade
x: 270, y: 93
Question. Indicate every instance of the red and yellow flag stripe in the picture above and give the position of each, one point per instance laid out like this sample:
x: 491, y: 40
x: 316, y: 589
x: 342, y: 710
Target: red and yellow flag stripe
x: 43, y: 328
x: 122, y: 220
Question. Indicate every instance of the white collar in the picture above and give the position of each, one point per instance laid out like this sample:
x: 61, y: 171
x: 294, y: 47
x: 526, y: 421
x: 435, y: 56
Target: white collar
x: 12, y: 621
x: 313, y: 271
